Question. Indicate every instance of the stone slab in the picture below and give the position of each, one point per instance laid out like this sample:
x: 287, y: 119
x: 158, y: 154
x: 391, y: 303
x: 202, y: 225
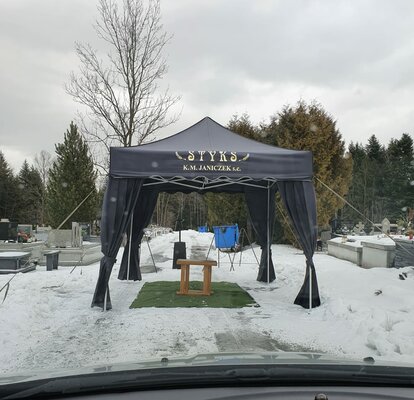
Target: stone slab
x: 377, y: 255
x: 13, y: 260
x: 345, y: 251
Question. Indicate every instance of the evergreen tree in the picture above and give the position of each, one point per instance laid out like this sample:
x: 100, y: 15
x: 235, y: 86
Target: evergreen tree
x: 71, y: 178
x: 399, y: 174
x: 30, y: 194
x: 382, y: 180
x: 374, y: 150
x: 8, y: 190
x: 358, y: 154
x: 310, y: 127
x: 375, y: 196
x: 358, y: 191
x: 244, y: 127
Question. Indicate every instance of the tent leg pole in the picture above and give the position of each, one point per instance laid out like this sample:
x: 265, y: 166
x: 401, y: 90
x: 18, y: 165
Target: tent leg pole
x: 105, y: 299
x: 152, y: 257
x: 231, y: 261
x: 211, y: 244
x: 310, y: 288
x: 268, y: 233
x: 130, y: 245
x: 241, y: 248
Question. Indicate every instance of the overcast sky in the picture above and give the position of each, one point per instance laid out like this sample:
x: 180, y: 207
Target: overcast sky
x: 227, y: 56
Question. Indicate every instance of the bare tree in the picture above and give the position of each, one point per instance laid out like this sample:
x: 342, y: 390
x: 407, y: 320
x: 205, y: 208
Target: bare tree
x: 124, y: 103
x: 42, y: 163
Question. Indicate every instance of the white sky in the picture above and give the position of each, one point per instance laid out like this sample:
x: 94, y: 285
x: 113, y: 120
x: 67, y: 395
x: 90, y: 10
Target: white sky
x: 226, y: 57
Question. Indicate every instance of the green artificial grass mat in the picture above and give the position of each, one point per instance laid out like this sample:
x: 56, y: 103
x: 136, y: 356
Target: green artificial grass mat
x: 163, y: 294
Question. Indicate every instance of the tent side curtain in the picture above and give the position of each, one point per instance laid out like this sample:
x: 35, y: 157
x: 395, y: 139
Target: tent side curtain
x: 141, y: 217
x: 260, y: 204
x: 119, y: 201
x: 300, y: 202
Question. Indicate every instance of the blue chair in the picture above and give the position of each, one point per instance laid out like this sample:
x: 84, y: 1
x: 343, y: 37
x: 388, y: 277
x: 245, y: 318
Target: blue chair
x: 226, y: 236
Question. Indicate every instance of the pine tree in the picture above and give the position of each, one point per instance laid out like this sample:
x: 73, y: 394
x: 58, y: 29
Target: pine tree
x: 72, y: 177
x: 30, y: 194
x: 358, y: 191
x: 244, y: 127
x: 374, y: 150
x: 310, y: 127
x: 376, y: 155
x: 382, y: 180
x: 8, y: 190
x: 399, y: 176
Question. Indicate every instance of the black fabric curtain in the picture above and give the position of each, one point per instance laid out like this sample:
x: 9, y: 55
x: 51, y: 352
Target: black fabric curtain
x: 144, y: 208
x: 300, y: 202
x: 257, y: 201
x: 119, y: 201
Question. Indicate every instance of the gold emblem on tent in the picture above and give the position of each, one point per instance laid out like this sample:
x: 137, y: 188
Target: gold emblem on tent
x: 212, y: 156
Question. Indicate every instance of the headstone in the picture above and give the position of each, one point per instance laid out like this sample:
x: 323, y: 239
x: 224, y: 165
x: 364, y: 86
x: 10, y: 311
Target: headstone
x: 42, y: 233
x: 76, y: 235
x: 4, y: 230
x: 8, y: 230
x: 85, y: 231
x: 359, y: 229
x: 385, y: 225
x: 25, y: 233
x: 27, y: 229
x: 325, y: 236
x: 372, y: 233
x: 59, y: 238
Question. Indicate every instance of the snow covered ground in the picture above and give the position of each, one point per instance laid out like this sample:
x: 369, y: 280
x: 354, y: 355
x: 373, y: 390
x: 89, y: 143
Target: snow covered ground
x: 46, y: 320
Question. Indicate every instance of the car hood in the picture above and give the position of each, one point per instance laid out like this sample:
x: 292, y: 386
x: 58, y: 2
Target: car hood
x: 199, y: 360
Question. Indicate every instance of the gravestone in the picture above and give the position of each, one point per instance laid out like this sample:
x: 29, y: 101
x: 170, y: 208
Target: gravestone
x: 85, y: 231
x: 385, y: 225
x: 325, y: 236
x: 59, y: 238
x: 8, y: 230
x: 27, y: 229
x: 76, y: 235
x: 4, y: 230
x: 42, y: 233
x: 65, y: 237
x: 359, y: 229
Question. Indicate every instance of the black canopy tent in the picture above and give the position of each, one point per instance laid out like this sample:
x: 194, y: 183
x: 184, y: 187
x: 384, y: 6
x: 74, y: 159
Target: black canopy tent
x: 206, y: 157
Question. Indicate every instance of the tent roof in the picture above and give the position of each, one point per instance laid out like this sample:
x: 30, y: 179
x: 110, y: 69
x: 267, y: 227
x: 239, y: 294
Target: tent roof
x: 207, y: 149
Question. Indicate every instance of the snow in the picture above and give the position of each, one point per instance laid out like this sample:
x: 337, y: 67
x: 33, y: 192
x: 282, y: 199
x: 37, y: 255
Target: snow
x: 355, y: 240
x: 46, y: 320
